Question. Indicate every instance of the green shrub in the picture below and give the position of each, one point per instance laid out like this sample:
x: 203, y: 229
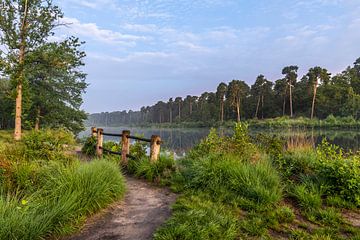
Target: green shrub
x: 196, y: 217
x: 342, y: 173
x: 89, y: 147
x: 285, y: 214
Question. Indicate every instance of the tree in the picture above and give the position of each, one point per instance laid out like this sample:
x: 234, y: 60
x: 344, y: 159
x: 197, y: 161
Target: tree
x: 259, y: 89
x: 280, y: 89
x: 316, y: 76
x: 236, y: 91
x: 290, y: 73
x: 56, y: 82
x: 170, y: 104
x: 220, y: 95
x: 24, y: 26
x: 178, y: 101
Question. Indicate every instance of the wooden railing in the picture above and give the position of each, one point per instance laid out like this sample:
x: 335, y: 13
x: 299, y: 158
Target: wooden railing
x: 98, y: 133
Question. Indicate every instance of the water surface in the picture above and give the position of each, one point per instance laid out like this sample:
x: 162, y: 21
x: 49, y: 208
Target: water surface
x: 181, y: 140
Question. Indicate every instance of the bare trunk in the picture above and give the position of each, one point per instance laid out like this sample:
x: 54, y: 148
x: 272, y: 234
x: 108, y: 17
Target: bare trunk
x: 222, y: 111
x: 37, y: 119
x: 179, y: 112
x: 190, y: 110
x: 262, y: 107
x: 238, y: 110
x: 170, y: 115
x: 257, y: 108
x: 18, y: 101
x: 284, y: 104
x: 313, y: 102
x: 291, y: 107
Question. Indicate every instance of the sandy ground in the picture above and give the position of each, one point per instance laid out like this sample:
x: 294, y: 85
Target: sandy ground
x: 143, y: 210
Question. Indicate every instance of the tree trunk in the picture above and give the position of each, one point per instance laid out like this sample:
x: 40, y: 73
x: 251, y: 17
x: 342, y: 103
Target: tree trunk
x: 238, y: 110
x: 291, y: 107
x: 37, y: 119
x: 284, y: 104
x: 262, y: 107
x: 179, y: 112
x: 257, y: 108
x: 170, y: 115
x: 190, y: 110
x: 222, y: 111
x: 313, y: 101
x: 18, y: 101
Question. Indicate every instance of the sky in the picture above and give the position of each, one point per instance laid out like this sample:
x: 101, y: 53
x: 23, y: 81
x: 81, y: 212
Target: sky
x: 143, y: 51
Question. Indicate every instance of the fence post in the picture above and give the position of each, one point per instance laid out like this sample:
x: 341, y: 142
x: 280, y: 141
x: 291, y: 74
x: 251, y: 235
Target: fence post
x: 93, y: 131
x: 99, y: 143
x: 155, y: 148
x: 125, y: 141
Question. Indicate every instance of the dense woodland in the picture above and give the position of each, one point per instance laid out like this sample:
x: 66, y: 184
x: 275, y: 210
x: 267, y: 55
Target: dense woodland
x: 316, y: 94
x: 41, y: 81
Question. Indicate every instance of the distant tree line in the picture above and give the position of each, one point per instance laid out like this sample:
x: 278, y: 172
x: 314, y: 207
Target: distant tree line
x: 316, y: 94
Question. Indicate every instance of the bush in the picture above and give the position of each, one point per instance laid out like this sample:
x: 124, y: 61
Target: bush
x: 89, y: 147
x: 342, y: 173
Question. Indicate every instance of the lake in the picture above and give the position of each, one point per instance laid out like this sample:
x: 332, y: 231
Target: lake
x: 181, y: 140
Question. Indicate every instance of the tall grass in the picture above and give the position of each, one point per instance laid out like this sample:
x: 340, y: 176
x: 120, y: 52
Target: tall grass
x: 67, y: 196
x: 236, y: 181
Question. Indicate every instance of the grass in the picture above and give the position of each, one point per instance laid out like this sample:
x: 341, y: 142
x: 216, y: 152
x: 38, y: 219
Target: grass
x: 234, y: 188
x: 50, y: 194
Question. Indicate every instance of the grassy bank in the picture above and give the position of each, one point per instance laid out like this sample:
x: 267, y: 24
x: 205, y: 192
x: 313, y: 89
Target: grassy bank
x: 239, y: 188
x: 45, y: 191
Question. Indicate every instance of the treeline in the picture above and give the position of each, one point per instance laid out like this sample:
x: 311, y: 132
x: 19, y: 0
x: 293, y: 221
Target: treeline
x: 41, y: 81
x: 316, y: 94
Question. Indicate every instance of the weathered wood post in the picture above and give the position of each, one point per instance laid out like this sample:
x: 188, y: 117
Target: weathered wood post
x: 125, y: 141
x: 94, y: 132
x: 99, y: 143
x: 155, y: 148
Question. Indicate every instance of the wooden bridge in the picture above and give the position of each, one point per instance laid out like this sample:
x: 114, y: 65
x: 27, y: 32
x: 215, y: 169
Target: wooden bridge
x: 124, y: 141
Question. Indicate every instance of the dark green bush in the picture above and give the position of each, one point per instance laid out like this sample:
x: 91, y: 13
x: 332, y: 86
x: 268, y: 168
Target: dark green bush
x: 89, y: 147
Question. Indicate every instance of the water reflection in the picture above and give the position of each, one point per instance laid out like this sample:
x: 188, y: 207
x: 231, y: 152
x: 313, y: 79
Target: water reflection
x: 182, y: 140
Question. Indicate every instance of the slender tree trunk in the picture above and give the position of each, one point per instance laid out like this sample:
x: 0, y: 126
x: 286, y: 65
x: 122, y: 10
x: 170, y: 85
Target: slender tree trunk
x: 190, y: 110
x: 238, y: 109
x: 257, y: 108
x: 222, y: 111
x: 179, y: 112
x: 170, y: 115
x: 313, y: 101
x: 19, y: 87
x: 291, y: 107
x: 262, y: 106
x: 37, y: 119
x: 284, y: 103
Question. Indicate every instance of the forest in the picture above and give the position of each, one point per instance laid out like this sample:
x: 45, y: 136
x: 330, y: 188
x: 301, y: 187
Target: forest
x: 317, y: 94
x: 41, y: 80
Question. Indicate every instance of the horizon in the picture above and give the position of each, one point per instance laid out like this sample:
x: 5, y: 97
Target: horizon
x: 180, y: 48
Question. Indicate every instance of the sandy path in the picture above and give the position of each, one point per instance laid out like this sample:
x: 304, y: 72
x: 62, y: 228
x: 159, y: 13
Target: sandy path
x: 143, y: 210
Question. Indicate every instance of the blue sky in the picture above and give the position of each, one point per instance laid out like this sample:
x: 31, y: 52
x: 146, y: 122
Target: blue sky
x: 142, y: 51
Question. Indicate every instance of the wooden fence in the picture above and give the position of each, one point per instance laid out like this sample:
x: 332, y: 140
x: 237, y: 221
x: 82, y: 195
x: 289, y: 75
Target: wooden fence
x: 125, y: 137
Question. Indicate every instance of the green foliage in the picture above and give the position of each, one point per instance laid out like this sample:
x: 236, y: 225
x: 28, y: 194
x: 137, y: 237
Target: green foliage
x: 159, y: 171
x: 65, y: 197
x: 89, y: 147
x: 307, y: 196
x: 342, y: 173
x: 196, y: 217
x: 228, y: 177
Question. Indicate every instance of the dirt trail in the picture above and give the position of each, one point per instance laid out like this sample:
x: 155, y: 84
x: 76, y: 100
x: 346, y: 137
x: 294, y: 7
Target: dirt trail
x: 143, y: 210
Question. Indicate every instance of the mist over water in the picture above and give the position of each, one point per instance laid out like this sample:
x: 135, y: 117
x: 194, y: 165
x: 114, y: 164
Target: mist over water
x: 181, y: 140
